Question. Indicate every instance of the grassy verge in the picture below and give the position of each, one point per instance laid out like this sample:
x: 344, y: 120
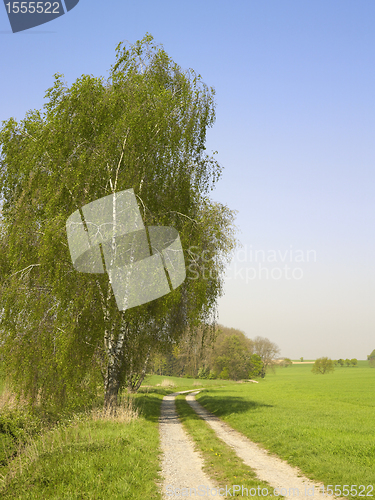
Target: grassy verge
x: 92, y: 458
x: 221, y: 463
x: 323, y: 424
x: 84, y: 457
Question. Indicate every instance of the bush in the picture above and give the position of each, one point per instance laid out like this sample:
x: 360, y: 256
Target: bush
x: 257, y: 366
x: 203, y: 372
x: 17, y: 426
x: 224, y: 375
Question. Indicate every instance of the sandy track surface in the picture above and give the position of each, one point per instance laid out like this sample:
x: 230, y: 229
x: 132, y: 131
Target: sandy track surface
x: 273, y: 470
x: 181, y: 464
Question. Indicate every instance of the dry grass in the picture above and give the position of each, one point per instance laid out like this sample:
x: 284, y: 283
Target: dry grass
x: 64, y: 435
x: 168, y: 383
x: 9, y: 400
x: 124, y: 413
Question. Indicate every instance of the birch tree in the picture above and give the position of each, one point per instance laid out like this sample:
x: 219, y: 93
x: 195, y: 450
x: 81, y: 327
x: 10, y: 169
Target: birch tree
x: 144, y: 127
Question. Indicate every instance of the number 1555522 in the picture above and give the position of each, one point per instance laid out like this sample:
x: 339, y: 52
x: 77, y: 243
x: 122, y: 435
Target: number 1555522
x: 33, y: 7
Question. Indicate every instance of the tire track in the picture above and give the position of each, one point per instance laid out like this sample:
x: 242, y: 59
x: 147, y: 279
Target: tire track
x: 268, y: 468
x: 181, y: 464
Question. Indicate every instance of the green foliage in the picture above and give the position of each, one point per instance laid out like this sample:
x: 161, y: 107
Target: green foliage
x: 233, y: 357
x: 323, y: 365
x: 354, y: 362
x: 61, y: 334
x: 206, y: 356
x: 17, y: 426
x: 340, y: 362
x: 204, y: 372
x: 371, y: 359
x: 224, y: 374
x: 256, y: 366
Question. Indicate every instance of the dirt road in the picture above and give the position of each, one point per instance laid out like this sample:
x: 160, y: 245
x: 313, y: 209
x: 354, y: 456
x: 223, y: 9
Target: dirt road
x: 182, y: 465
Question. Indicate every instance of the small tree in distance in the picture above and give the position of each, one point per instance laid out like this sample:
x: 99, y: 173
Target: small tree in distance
x: 286, y: 362
x: 267, y: 351
x: 371, y: 359
x: 323, y: 365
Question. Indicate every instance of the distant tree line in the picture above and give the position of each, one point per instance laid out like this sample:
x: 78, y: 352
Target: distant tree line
x: 327, y: 365
x: 225, y: 354
x: 347, y: 362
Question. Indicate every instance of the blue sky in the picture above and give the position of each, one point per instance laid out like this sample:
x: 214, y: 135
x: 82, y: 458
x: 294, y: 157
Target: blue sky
x: 294, y: 132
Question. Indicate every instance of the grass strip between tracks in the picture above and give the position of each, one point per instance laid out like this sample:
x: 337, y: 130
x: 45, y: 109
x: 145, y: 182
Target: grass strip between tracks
x: 221, y: 463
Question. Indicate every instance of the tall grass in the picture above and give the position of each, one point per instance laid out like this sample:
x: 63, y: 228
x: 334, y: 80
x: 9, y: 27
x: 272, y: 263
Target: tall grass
x: 94, y: 455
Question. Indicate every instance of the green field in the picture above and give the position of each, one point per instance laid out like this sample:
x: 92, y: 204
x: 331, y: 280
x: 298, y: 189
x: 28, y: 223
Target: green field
x: 325, y: 424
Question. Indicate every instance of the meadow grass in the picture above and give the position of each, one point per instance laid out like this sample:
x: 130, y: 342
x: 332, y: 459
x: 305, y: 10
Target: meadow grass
x: 183, y: 383
x: 221, y: 463
x: 324, y: 424
x: 94, y: 457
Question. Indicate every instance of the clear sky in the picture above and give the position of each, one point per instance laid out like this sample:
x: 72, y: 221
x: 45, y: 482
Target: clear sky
x: 294, y: 132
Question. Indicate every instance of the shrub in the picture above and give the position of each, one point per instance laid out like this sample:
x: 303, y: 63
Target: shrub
x: 257, y: 366
x: 17, y: 425
x: 203, y: 372
x: 224, y: 375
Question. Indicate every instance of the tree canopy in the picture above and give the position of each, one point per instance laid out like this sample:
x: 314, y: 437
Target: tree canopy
x: 142, y: 128
x: 323, y: 365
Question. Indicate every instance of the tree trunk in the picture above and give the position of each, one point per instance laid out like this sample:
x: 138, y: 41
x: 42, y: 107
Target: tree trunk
x: 111, y: 387
x: 135, y: 380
